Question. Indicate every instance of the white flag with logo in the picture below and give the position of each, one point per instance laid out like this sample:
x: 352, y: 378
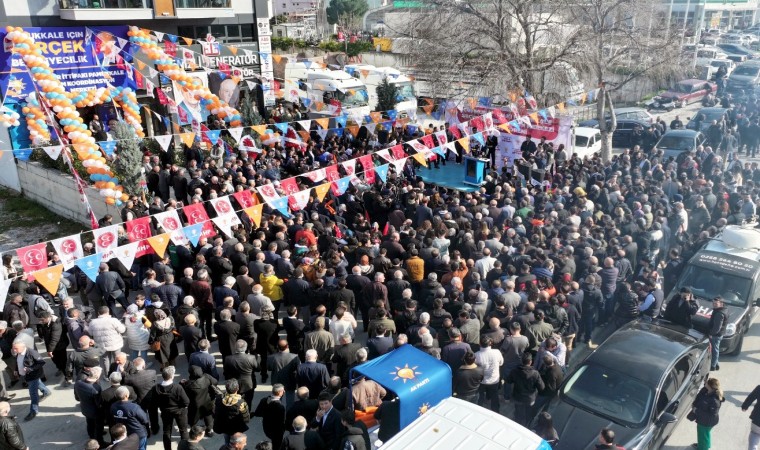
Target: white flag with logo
x: 69, y: 249
x: 106, y: 240
x: 54, y: 151
x: 399, y: 164
x: 222, y: 205
x: 236, y: 133
x: 226, y: 222
x: 164, y: 141
x: 126, y: 254
x: 301, y: 198
x: 169, y: 221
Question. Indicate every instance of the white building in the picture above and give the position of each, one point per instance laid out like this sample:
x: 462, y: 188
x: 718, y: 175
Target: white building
x: 724, y: 14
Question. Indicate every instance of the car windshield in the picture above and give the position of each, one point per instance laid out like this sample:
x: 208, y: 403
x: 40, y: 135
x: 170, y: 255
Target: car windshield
x: 746, y: 71
x: 352, y: 97
x: 718, y: 64
x: 609, y: 393
x: 684, y: 88
x: 405, y: 90
x: 581, y: 141
x: 676, y: 143
x: 709, y: 283
x: 712, y: 115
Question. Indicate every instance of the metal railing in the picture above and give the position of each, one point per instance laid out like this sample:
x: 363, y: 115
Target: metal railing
x: 101, y: 4
x: 203, y: 3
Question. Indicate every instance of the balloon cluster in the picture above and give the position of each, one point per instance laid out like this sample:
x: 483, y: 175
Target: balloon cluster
x: 128, y: 101
x: 9, y: 118
x: 35, y: 120
x: 194, y: 86
x: 61, y: 101
x: 90, y: 98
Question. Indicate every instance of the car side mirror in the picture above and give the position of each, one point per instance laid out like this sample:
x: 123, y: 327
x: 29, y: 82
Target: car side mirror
x: 666, y: 418
x: 757, y: 302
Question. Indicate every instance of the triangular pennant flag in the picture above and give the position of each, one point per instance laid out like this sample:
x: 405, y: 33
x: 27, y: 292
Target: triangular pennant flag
x: 126, y: 253
x: 260, y: 129
x: 341, y: 121
x: 169, y: 221
x: 283, y: 127
x: 159, y: 243
x: 213, y: 136
x: 561, y: 107
x: 69, y: 249
x: 324, y: 122
x: 193, y: 233
x: 187, y: 138
x: 90, y: 265
x: 370, y: 127
x: 505, y: 127
x: 233, y: 50
x: 441, y: 137
x: 106, y: 240
x: 50, y: 278
x: 420, y: 157
x: 304, y: 135
x: 5, y: 286
x: 354, y: 130
x: 399, y: 164
x: 465, y: 143
x: 385, y: 154
x: 305, y: 124
x: 281, y: 205
x: 382, y: 172
x: 244, y: 198
x: 254, y: 213
x: 441, y: 150
x: 222, y: 205
x: 341, y: 185
x: 23, y: 154
x: 533, y: 117
x: 376, y: 116
x: 301, y: 199
x: 159, y: 35
x: 53, y: 151
x: 188, y: 41
x: 479, y: 137
x: 164, y: 141
x: 349, y: 166
x: 452, y: 146
x: 236, y: 133
x: 108, y: 147
x: 322, y: 190
x: 322, y: 134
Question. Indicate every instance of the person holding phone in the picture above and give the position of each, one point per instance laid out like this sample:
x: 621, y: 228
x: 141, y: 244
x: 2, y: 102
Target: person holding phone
x: 681, y: 308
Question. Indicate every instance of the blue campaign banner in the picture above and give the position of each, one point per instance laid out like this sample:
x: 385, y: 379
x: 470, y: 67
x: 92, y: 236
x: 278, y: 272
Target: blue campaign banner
x: 82, y: 59
x: 90, y: 265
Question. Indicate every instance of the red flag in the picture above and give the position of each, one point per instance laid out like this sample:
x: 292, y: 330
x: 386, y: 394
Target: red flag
x: 398, y: 151
x: 477, y: 122
x: 204, y: 137
x: 162, y: 98
x: 93, y: 221
x: 224, y: 68
x: 289, y: 185
x: 428, y: 141
x: 138, y: 230
x: 182, y: 115
x: 498, y: 116
x: 369, y: 176
x: 244, y: 198
x: 170, y: 48
x: 455, y: 131
x: 196, y: 214
x: 33, y: 257
x: 139, y: 80
x: 332, y: 173
x: 338, y: 233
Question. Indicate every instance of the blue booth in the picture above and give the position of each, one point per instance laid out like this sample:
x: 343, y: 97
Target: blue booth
x: 474, y: 170
x: 419, y: 380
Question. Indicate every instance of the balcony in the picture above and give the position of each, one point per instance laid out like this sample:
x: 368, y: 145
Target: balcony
x: 203, y: 9
x: 105, y: 10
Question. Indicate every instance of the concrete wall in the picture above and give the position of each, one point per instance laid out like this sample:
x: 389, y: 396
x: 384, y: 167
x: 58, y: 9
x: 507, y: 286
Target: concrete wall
x: 57, y: 192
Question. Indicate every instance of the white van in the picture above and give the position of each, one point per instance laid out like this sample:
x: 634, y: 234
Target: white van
x: 586, y: 141
x: 455, y: 424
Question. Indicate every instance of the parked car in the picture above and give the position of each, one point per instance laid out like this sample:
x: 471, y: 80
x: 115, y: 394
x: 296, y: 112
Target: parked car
x: 640, y: 396
x: 627, y: 113
x: 683, y: 93
x: 730, y: 65
x: 586, y: 141
x: 678, y: 142
x: 621, y: 138
x: 745, y: 76
x: 710, y: 114
x: 736, y: 49
x: 734, y: 38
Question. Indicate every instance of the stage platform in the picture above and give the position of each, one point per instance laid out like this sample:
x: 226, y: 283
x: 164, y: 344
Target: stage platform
x: 449, y: 176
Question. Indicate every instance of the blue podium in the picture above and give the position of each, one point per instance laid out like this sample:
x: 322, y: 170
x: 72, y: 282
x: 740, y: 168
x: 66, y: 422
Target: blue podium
x: 474, y: 170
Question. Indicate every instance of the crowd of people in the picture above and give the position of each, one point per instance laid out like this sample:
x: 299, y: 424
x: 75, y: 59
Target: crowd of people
x: 501, y: 284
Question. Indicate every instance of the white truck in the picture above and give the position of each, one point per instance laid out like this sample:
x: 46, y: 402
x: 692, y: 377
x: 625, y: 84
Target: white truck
x: 336, y: 89
x: 372, y: 76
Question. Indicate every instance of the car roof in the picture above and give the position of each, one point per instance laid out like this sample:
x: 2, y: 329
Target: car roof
x: 681, y: 133
x: 628, y: 109
x: 664, y: 342
x: 712, y: 110
x: 692, y: 81
x: 586, y: 131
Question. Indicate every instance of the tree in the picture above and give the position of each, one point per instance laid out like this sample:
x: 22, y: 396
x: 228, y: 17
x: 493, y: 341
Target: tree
x: 387, y: 95
x: 347, y: 13
x: 248, y: 110
x: 488, y: 48
x: 625, y: 40
x: 128, y: 163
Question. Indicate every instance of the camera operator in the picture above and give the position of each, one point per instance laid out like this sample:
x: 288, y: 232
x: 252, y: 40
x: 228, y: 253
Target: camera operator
x: 681, y: 307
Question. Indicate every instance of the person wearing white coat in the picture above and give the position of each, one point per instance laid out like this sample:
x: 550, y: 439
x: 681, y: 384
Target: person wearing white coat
x: 107, y: 332
x: 137, y: 332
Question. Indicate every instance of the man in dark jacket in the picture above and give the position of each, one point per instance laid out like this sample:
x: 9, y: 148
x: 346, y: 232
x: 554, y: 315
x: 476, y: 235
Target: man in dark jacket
x: 11, y: 436
x: 329, y: 422
x: 283, y: 366
x: 227, y: 332
x: 142, y: 381
x: 56, y: 340
x: 191, y: 335
x: 681, y: 307
x: 242, y: 366
x: 172, y: 400
x: 716, y: 329
x: 130, y: 415
x: 300, y: 438
x: 354, y: 436
x: 109, y: 396
x: 527, y: 383
x: 272, y: 412
x: 552, y: 376
x: 204, y: 360
x: 87, y: 393
x: 200, y: 391
x: 30, y: 367
x: 754, y: 433
x: 112, y: 287
x: 231, y: 413
x: 304, y: 407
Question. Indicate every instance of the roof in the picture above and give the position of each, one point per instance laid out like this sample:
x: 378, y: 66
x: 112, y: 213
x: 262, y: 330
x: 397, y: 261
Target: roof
x: 738, y: 241
x: 681, y: 133
x: 458, y: 424
x: 628, y: 109
x: 419, y: 380
x: 664, y: 341
x: 586, y: 131
x: 712, y: 110
x: 692, y: 81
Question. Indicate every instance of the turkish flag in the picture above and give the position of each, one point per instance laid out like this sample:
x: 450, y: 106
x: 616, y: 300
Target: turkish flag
x: 244, y: 198
x: 332, y: 173
x: 196, y: 214
x: 33, y: 257
x: 289, y: 185
x: 398, y: 151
